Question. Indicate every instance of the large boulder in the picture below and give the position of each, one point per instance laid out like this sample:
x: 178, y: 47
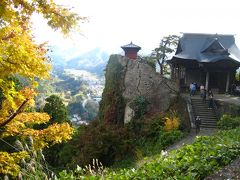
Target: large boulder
x: 140, y: 79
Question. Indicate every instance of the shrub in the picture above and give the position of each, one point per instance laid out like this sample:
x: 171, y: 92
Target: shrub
x: 149, y: 134
x: 140, y: 106
x: 151, y: 62
x: 171, y: 123
x: 228, y: 122
x: 106, y: 142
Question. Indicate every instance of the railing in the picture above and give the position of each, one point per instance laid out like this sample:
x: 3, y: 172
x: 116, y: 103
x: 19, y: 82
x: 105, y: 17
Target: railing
x: 190, y: 111
x: 215, y: 109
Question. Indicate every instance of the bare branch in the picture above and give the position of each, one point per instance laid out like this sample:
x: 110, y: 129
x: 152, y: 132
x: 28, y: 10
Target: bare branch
x: 14, y: 114
x: 9, y: 36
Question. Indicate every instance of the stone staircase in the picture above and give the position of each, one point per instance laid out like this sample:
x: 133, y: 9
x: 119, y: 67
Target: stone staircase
x: 208, y: 116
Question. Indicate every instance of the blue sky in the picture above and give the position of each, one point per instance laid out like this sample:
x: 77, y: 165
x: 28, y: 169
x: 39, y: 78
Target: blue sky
x: 113, y: 23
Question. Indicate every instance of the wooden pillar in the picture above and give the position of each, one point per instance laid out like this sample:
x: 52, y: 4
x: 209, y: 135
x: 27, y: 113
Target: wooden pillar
x: 172, y: 72
x: 178, y: 73
x: 207, y: 81
x: 227, y: 83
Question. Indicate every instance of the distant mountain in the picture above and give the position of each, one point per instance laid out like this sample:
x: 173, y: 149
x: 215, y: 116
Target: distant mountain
x: 93, y: 61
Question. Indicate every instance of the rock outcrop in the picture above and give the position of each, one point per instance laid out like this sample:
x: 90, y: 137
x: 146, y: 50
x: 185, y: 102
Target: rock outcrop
x: 137, y: 78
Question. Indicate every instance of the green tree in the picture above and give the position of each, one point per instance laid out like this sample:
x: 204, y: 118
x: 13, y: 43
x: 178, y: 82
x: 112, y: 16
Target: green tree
x: 166, y: 47
x: 75, y: 106
x: 151, y: 61
x: 56, y: 109
x: 92, y: 109
x: 59, y: 114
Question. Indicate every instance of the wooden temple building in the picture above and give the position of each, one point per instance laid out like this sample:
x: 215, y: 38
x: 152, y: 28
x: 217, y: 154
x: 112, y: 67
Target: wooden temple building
x: 208, y: 59
x: 131, y: 50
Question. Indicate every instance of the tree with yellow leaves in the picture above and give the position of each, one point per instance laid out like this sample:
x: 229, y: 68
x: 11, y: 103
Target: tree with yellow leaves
x: 21, y: 56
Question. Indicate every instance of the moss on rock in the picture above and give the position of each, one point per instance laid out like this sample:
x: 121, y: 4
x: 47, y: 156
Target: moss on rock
x: 112, y: 104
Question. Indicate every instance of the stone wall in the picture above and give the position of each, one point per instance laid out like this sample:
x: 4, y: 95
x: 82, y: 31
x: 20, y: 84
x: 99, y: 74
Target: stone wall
x: 227, y: 108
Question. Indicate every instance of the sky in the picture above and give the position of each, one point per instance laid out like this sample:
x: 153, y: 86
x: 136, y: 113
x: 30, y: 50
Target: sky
x: 113, y: 23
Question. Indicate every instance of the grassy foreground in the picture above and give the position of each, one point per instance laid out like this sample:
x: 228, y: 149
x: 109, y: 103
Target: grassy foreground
x: 196, y: 161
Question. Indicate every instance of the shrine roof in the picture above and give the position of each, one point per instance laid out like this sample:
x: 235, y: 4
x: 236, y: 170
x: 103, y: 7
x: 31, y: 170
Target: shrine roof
x: 207, y: 48
x: 131, y: 45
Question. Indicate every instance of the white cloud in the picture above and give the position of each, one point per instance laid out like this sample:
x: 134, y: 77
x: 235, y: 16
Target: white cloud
x: 114, y: 23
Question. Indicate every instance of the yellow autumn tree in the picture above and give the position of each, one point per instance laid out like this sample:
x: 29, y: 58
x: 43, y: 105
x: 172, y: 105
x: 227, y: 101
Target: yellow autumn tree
x: 21, y: 56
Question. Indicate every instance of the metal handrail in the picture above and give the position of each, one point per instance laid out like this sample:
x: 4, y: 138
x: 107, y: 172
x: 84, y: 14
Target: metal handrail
x: 215, y: 109
x: 190, y: 111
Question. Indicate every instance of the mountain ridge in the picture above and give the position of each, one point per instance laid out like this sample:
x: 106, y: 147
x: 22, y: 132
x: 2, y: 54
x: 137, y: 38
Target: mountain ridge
x: 93, y: 61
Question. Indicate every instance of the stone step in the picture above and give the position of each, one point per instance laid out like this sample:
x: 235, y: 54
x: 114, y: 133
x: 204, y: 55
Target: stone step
x: 203, y: 110
x: 205, y: 119
x: 200, y: 105
x: 210, y: 124
x: 199, y: 102
x: 207, y: 126
x: 208, y: 116
x: 205, y: 114
x: 209, y: 120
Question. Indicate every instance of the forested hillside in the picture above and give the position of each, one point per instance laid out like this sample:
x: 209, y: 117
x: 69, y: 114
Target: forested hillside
x: 79, y: 90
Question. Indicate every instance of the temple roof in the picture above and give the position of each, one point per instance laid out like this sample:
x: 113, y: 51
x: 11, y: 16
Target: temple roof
x: 207, y: 48
x: 131, y: 46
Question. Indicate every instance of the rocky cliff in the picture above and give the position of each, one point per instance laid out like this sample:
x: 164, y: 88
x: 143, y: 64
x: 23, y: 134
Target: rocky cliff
x: 127, y: 79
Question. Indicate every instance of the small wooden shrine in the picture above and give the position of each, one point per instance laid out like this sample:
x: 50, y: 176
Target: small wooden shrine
x: 131, y: 50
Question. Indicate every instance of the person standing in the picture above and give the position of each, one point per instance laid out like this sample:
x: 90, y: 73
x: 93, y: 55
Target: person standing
x: 204, y: 96
x: 202, y: 90
x: 194, y: 88
x: 210, y: 97
x: 197, y: 124
x: 191, y: 88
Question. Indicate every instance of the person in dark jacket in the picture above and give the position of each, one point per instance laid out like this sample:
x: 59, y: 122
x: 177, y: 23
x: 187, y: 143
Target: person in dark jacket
x: 210, y: 98
x: 204, y: 95
x: 197, y: 124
